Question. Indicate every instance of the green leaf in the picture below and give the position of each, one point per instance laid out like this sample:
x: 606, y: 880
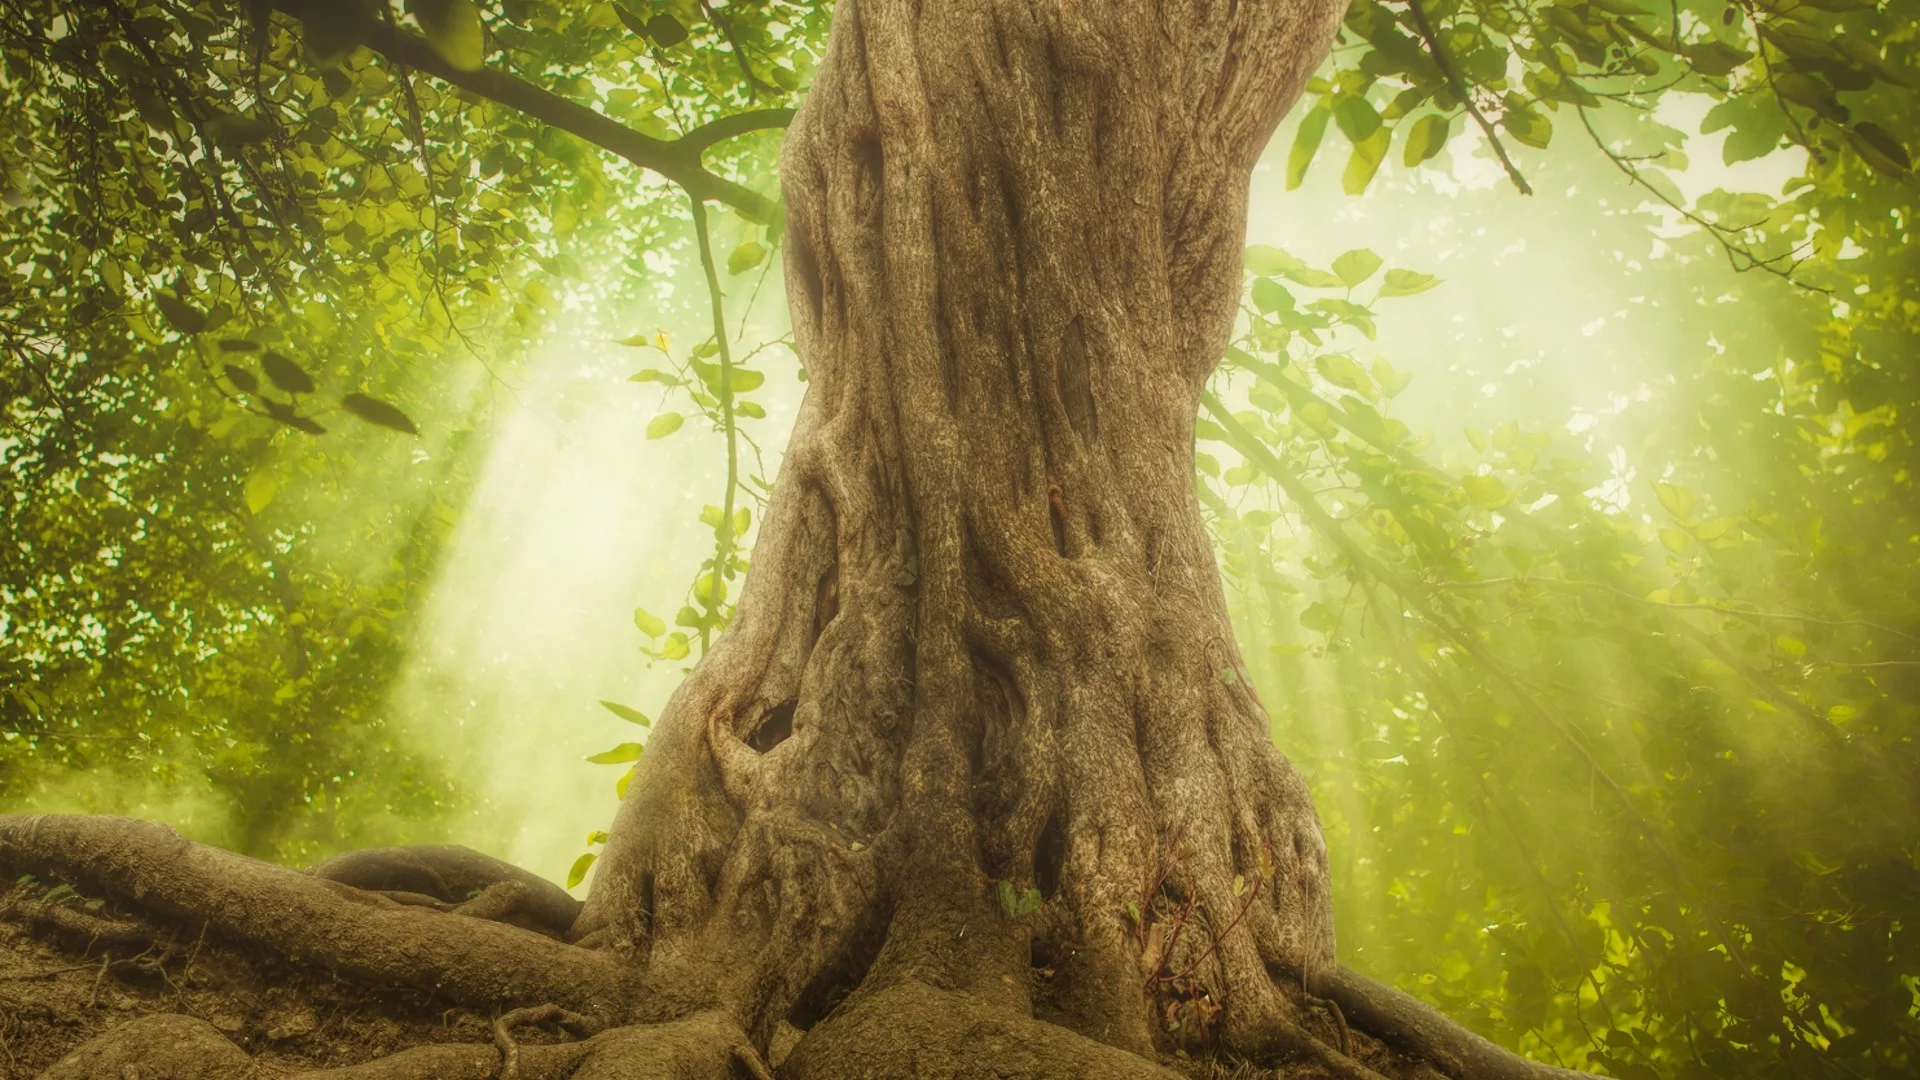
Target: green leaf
x: 285, y: 374
x: 453, y: 29
x: 1271, y: 296
x: 234, y: 131
x: 1365, y: 161
x: 743, y: 380
x: 578, y: 872
x: 379, y: 413
x: 745, y: 257
x: 1356, y: 266
x: 1266, y: 260
x: 1319, y: 617
x: 1811, y: 92
x: 676, y: 647
x: 1407, y: 283
x: 239, y: 345
x: 1871, y: 139
x: 649, y: 623
x: 666, y: 31
x: 1306, y: 143
x: 179, y: 314
x: 664, y: 425
x: 635, y: 24
x: 619, y: 755
x: 1675, y: 540
x: 1016, y: 904
x: 1341, y: 370
x: 1357, y: 118
x: 1677, y: 500
x: 626, y: 780
x: 1486, y: 491
x: 285, y: 415
x: 1425, y: 140
x: 260, y: 489
x: 241, y: 378
x: 329, y: 35
x: 1527, y: 124
x: 1391, y: 379
x: 630, y: 715
x: 1715, y: 58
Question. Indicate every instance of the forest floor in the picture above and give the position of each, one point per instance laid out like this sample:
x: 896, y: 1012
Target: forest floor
x: 73, y: 967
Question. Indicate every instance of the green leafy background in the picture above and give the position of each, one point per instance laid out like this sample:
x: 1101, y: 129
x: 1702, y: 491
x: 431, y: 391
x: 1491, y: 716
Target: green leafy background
x: 374, y: 468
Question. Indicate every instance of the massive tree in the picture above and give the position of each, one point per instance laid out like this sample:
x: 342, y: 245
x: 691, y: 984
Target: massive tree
x: 975, y: 783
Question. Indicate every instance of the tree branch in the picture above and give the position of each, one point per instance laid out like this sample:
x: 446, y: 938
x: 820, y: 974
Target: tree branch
x: 678, y: 161
x: 1440, y: 57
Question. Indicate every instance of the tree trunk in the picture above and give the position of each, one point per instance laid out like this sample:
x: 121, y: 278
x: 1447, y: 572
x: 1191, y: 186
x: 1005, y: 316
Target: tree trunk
x: 976, y: 784
x: 984, y: 640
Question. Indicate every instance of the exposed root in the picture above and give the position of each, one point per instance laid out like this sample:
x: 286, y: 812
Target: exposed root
x: 465, y: 880
x: 913, y: 1031
x: 1414, y: 1027
x: 573, y: 1023
x: 314, y: 920
x: 79, y: 925
x: 160, y: 1047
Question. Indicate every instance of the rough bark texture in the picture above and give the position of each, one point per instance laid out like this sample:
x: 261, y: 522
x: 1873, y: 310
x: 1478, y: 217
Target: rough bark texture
x: 975, y: 784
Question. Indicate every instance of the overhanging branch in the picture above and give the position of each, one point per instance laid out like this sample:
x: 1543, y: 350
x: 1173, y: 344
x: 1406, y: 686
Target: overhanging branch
x: 677, y: 160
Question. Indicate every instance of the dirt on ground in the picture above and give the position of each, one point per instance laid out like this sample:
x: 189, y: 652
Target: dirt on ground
x: 73, y: 966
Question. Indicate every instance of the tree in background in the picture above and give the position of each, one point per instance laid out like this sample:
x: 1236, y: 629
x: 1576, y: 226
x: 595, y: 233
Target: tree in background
x: 986, y: 523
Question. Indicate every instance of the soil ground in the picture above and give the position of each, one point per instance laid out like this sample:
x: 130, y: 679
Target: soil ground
x: 73, y: 967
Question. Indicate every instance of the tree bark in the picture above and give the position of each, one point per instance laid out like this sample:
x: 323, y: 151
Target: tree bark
x: 984, y: 639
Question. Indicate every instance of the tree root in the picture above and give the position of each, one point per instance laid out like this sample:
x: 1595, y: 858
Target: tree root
x: 160, y: 1047
x: 400, y: 934
x: 467, y: 881
x: 912, y: 1029
x: 573, y: 1023
x: 705, y: 1046
x: 1414, y: 1027
x: 315, y: 920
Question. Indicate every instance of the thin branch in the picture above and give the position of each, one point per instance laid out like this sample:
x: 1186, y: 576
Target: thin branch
x: 678, y: 163
x: 1716, y: 609
x: 1720, y: 233
x: 700, y: 139
x: 723, y: 553
x: 754, y: 85
x: 1440, y: 57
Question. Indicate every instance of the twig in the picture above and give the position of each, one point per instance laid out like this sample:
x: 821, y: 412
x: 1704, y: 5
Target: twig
x: 503, y: 1026
x: 1252, y: 895
x: 94, y: 997
x: 723, y: 553
x: 1440, y: 57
